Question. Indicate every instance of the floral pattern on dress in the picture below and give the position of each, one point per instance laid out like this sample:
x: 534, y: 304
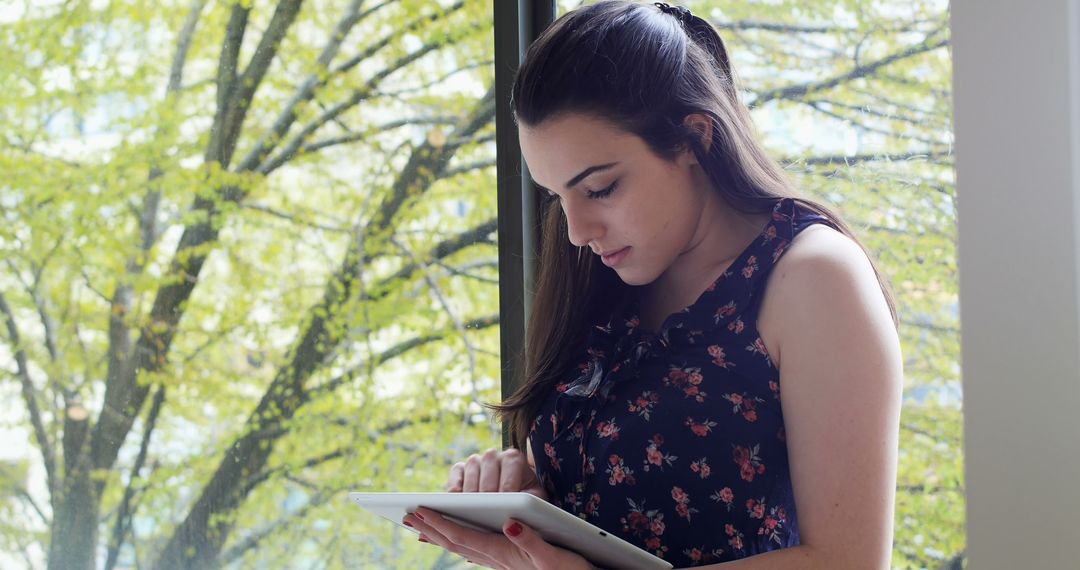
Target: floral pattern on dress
x: 618, y: 472
x: 745, y: 404
x: 686, y: 380
x: 643, y: 404
x: 655, y: 457
x: 647, y: 524
x: 674, y: 440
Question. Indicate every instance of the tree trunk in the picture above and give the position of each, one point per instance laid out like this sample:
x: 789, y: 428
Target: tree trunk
x: 75, y: 525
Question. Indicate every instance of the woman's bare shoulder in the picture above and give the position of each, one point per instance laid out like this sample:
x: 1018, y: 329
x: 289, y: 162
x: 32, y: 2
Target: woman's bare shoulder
x: 818, y: 258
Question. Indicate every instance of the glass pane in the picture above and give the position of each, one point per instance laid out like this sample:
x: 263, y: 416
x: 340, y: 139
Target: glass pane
x: 249, y: 265
x: 854, y: 98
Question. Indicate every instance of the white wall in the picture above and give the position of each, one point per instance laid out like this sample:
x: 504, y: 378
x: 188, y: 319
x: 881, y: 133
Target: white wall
x: 1017, y: 119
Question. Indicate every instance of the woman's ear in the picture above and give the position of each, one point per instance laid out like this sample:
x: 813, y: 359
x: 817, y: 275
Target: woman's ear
x: 701, y: 124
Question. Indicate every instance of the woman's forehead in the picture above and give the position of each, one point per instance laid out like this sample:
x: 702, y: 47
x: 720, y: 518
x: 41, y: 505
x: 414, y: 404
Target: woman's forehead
x: 574, y: 126
x: 571, y: 142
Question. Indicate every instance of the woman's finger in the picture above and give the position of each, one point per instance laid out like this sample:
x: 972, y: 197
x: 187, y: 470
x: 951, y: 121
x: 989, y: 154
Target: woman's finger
x: 490, y: 467
x: 471, y: 480
x: 432, y: 535
x: 488, y: 548
x: 455, y: 481
x: 539, y: 553
x: 512, y: 471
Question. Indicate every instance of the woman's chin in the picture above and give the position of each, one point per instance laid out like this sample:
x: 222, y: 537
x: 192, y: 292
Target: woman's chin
x: 633, y: 278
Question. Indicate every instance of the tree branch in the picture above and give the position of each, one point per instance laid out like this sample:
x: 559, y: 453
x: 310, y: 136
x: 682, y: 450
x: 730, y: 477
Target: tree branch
x: 818, y: 106
x: 470, y: 350
x: 255, y: 538
x: 284, y: 15
x: 852, y: 159
x: 41, y: 305
x: 372, y: 438
x: 469, y: 167
x: 183, y: 46
x: 30, y: 399
x: 429, y: 84
x: 801, y: 90
x: 356, y: 137
x: 922, y: 121
x: 443, y: 250
x: 21, y: 492
x: 930, y: 327
x: 401, y: 348
x: 226, y: 78
x: 289, y: 151
x: 462, y: 271
x: 123, y: 515
x: 306, y: 91
x: 294, y: 219
x: 779, y: 27
x: 398, y: 32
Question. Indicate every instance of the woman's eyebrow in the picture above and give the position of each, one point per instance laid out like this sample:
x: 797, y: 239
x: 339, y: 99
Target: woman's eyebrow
x: 581, y: 176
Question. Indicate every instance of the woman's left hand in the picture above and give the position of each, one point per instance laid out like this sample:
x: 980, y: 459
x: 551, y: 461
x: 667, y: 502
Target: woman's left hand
x: 518, y: 547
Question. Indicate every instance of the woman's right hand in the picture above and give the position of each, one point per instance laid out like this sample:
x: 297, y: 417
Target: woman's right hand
x: 495, y: 471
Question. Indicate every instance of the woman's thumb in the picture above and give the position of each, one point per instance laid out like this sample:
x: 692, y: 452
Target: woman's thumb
x: 524, y: 537
x: 542, y: 553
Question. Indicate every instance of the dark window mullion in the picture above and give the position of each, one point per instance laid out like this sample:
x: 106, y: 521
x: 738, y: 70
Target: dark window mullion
x: 517, y: 24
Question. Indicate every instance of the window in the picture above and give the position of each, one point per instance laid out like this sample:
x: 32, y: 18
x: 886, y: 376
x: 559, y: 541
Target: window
x: 249, y: 264
x: 249, y: 260
x: 855, y: 99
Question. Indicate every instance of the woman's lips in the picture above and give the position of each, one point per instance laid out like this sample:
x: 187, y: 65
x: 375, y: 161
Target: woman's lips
x: 612, y: 259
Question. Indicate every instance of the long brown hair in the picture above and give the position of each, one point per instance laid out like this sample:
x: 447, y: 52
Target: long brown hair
x: 644, y: 70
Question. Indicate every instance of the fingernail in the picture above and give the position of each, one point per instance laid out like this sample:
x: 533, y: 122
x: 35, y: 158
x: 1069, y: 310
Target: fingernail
x: 418, y: 515
x: 423, y: 539
x: 407, y: 523
x: 514, y: 529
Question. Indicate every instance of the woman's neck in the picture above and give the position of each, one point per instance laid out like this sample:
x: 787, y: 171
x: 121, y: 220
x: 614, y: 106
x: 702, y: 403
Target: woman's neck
x: 722, y: 234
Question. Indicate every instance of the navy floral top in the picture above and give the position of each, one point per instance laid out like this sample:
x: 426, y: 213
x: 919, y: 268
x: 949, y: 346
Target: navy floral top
x: 674, y: 440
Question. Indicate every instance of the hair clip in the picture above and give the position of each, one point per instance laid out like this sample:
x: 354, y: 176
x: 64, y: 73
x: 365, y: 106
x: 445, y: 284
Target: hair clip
x: 682, y: 13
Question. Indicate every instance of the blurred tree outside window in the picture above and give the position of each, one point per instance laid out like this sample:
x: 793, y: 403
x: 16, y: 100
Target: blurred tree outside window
x: 248, y: 265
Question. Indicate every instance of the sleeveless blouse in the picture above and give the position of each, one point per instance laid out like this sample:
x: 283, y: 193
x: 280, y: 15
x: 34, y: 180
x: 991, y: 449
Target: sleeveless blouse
x: 674, y: 440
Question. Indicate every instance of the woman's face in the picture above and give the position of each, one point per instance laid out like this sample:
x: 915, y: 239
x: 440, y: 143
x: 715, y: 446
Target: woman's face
x: 636, y: 209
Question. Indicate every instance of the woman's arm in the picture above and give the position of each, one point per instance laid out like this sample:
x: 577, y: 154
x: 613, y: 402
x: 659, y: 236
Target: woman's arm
x: 841, y: 381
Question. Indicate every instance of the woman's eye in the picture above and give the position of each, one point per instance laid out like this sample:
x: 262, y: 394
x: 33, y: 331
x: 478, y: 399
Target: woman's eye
x: 602, y: 193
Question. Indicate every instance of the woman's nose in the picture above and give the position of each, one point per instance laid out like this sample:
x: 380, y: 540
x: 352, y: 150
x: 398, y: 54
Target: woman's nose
x: 581, y: 226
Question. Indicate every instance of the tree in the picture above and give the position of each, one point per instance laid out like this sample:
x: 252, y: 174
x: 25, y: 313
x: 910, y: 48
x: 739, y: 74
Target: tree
x: 249, y: 259
x: 161, y: 235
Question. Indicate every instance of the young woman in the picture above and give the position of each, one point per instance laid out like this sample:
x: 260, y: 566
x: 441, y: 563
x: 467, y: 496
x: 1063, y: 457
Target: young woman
x: 713, y: 370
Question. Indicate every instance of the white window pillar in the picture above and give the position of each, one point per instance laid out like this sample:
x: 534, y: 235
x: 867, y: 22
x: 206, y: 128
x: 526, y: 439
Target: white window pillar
x: 1017, y: 119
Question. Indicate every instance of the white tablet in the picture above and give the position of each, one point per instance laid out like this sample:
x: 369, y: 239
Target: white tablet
x: 489, y: 511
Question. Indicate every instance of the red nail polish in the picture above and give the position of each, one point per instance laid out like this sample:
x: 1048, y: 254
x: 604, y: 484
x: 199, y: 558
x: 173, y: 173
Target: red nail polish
x: 419, y: 516
x: 514, y: 529
x: 422, y: 539
x: 407, y: 523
